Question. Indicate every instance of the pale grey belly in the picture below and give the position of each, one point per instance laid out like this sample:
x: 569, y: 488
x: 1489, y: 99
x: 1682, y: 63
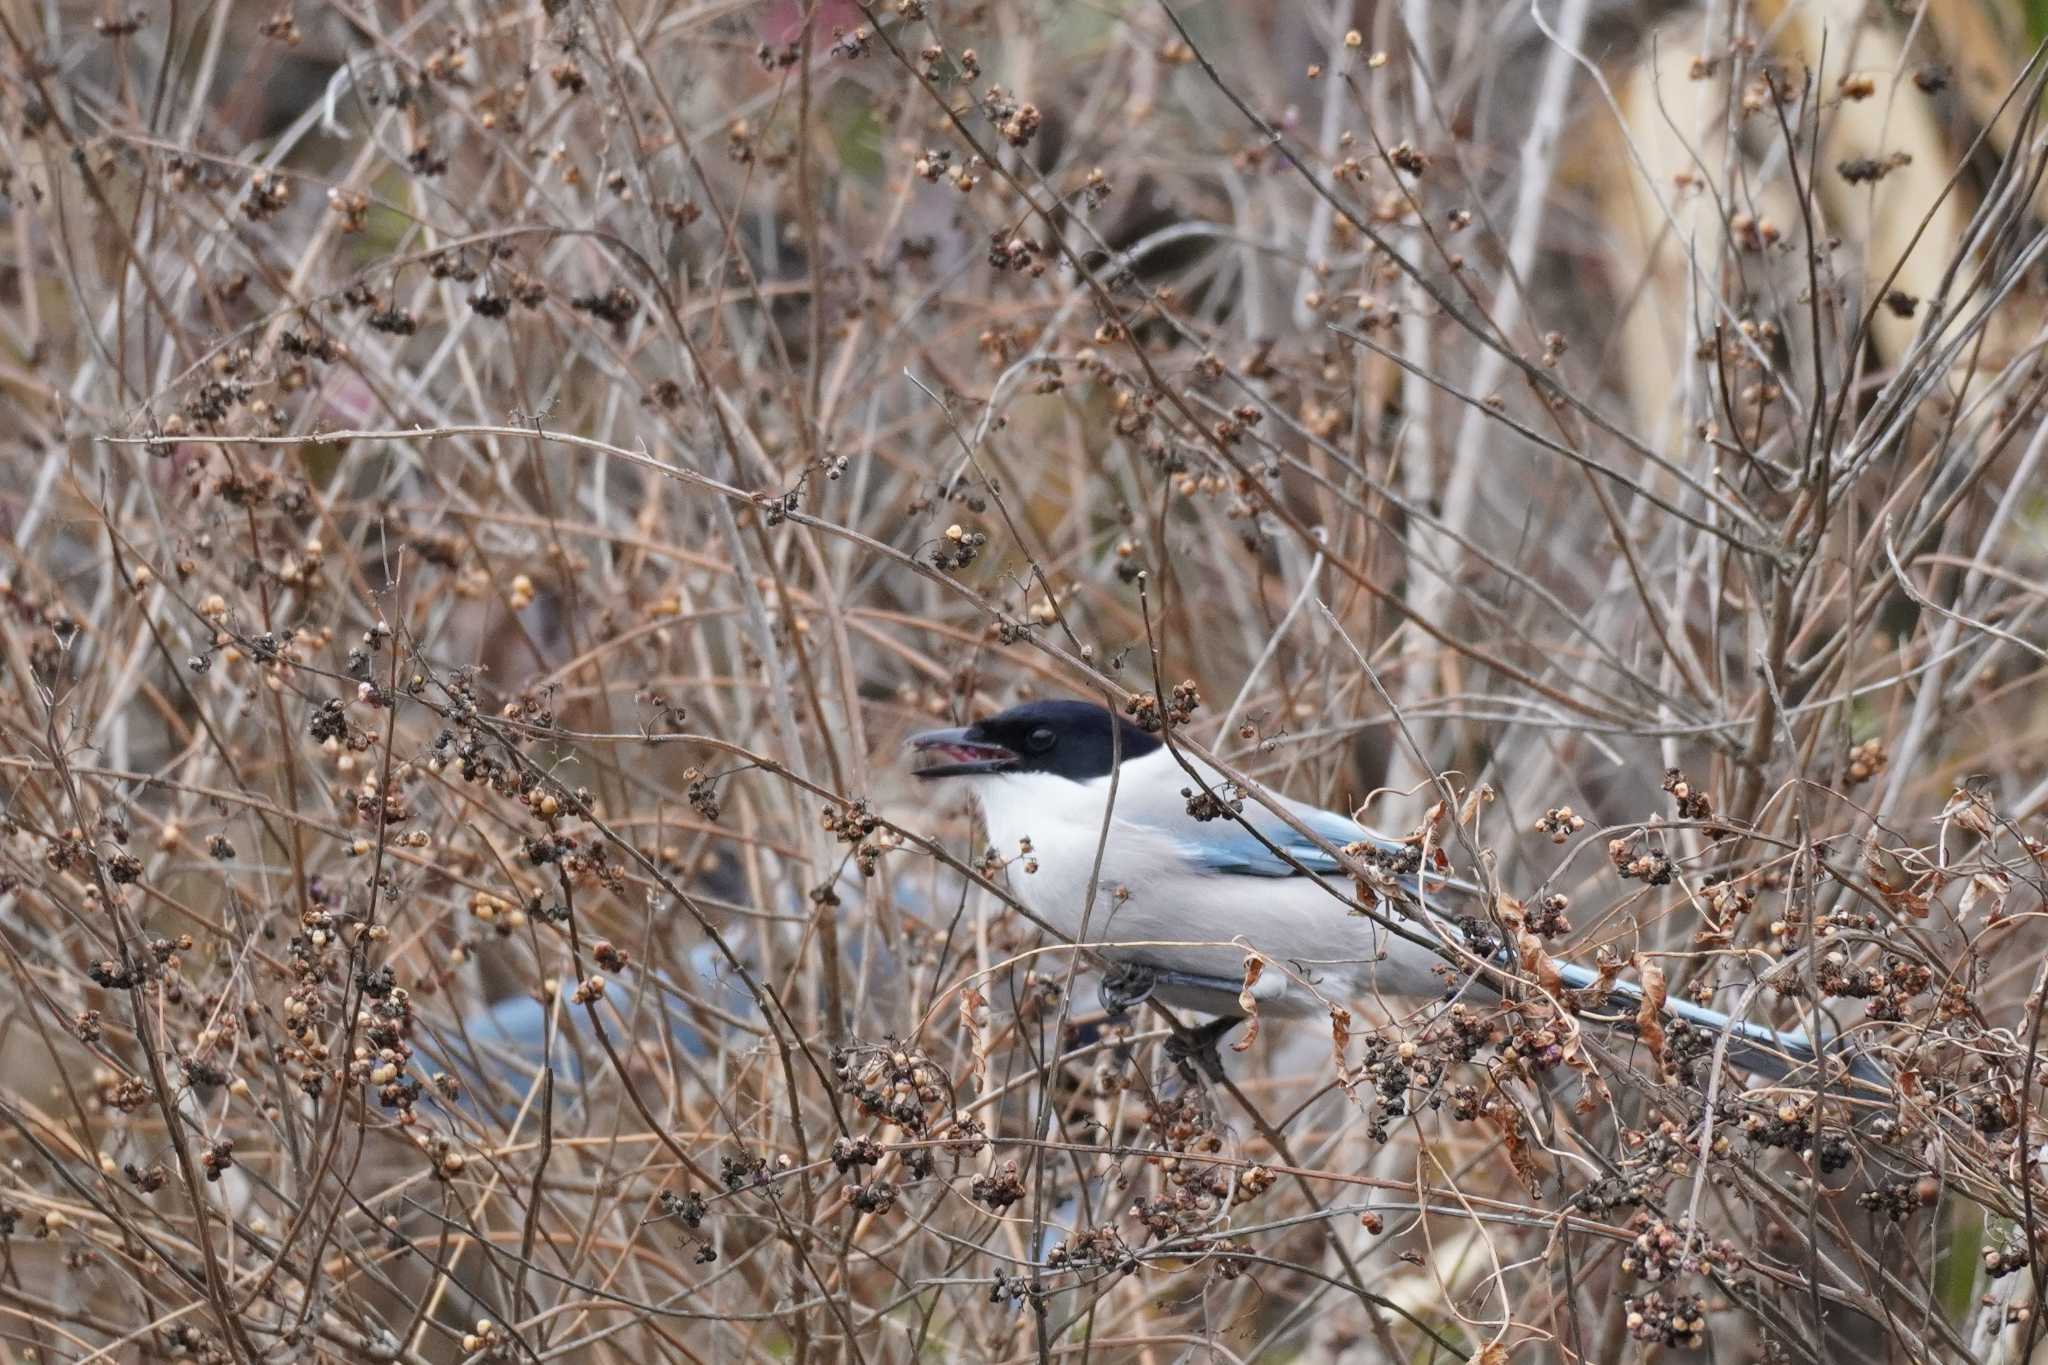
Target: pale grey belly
x: 1317, y: 953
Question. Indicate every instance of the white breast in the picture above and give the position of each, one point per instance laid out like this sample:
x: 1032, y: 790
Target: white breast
x: 1151, y: 904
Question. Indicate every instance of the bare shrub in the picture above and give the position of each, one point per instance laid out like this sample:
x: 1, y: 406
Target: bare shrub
x: 490, y: 487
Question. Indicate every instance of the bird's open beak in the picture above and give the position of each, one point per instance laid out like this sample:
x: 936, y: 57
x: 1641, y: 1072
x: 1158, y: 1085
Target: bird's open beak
x: 963, y: 753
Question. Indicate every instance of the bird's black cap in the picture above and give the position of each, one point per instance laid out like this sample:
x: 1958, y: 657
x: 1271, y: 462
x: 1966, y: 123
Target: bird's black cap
x: 1077, y: 740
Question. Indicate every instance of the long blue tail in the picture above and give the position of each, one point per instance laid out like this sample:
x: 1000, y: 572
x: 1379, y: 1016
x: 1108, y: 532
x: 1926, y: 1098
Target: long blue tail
x: 1753, y: 1046
x: 1775, y: 1053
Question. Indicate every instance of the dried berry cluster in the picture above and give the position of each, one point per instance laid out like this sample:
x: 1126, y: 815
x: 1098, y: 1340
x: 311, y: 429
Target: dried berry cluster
x: 1224, y: 801
x: 1560, y: 823
x: 1406, y: 1076
x: 1101, y: 1248
x: 1680, y: 1321
x: 1651, y: 866
x: 1152, y: 716
x: 1889, y: 986
x: 857, y: 825
x: 897, y: 1085
x: 1662, y: 1251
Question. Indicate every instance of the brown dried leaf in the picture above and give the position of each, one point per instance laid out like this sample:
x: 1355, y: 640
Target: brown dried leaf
x: 1993, y: 887
x: 1899, y: 896
x: 972, y: 1008
x: 1609, y: 967
x: 1650, y: 1014
x: 1596, y: 1095
x: 1254, y: 968
x: 1340, y: 1034
x: 1506, y: 1120
x: 1969, y: 811
x: 1537, y: 962
x: 1569, y: 1044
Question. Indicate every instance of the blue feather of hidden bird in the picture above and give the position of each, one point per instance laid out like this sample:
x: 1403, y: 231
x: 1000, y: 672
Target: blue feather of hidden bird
x: 499, y: 1050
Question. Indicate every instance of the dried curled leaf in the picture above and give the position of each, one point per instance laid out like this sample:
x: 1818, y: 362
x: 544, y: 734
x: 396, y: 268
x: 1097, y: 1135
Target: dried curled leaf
x: 1254, y: 968
x: 1967, y: 810
x: 1595, y: 1096
x: 1609, y: 967
x: 1650, y: 1014
x: 1340, y: 1034
x: 1988, y: 889
x: 1538, y: 963
x: 1506, y: 1121
x: 1900, y: 896
x: 973, y: 1009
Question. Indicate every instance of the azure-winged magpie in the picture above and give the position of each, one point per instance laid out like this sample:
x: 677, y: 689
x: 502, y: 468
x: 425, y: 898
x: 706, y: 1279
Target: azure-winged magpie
x: 1191, y: 865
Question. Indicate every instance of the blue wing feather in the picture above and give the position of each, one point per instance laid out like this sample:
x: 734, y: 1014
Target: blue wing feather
x: 1227, y: 848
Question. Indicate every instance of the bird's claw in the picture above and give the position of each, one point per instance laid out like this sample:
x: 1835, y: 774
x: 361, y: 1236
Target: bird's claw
x: 1125, y: 985
x: 1195, y: 1049
x: 1192, y: 1051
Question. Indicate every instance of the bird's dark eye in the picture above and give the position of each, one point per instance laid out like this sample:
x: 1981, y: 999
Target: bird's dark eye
x: 1041, y: 740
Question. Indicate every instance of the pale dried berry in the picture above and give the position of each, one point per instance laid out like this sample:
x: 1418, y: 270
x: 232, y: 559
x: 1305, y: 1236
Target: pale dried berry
x: 1867, y: 760
x: 1560, y: 823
